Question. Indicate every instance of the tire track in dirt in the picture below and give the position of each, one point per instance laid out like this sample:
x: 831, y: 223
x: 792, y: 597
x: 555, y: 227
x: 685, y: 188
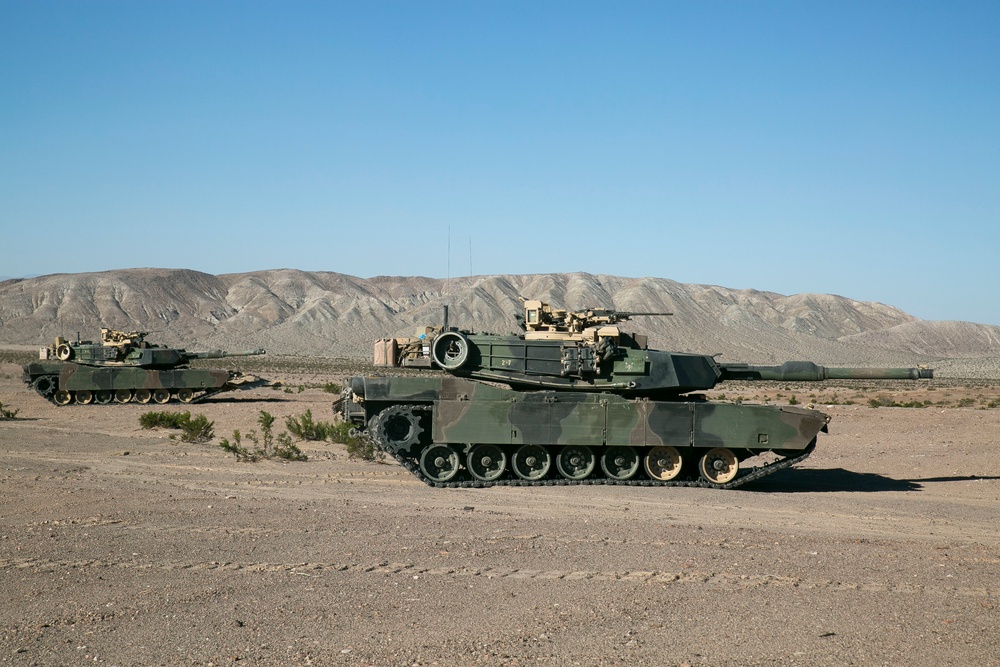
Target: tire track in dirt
x: 722, y: 580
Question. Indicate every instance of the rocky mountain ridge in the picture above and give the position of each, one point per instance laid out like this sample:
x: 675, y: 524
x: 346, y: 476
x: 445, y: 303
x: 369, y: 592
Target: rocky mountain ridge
x: 330, y: 314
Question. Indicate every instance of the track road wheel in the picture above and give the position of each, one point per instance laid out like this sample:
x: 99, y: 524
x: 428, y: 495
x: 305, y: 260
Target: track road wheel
x: 663, y: 463
x: 161, y: 396
x: 620, y: 462
x: 84, y: 397
x: 123, y: 395
x: 103, y: 397
x: 143, y: 396
x: 719, y: 465
x: 185, y: 395
x: 575, y: 462
x: 439, y: 463
x: 531, y: 462
x: 486, y: 462
x: 62, y: 397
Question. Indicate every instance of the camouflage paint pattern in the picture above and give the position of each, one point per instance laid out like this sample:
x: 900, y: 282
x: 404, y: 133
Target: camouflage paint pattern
x: 632, y: 370
x: 124, y: 363
x: 77, y: 377
x: 466, y: 412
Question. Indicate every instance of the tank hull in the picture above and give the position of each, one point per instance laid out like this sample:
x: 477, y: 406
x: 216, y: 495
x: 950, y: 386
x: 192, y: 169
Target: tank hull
x: 65, y: 383
x: 407, y: 416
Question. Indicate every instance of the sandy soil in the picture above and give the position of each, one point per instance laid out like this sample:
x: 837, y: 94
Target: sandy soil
x: 121, y: 546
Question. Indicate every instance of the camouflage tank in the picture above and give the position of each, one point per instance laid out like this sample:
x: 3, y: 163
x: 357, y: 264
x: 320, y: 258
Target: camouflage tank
x: 123, y: 367
x: 575, y: 400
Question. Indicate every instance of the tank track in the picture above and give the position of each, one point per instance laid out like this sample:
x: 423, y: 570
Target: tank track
x: 752, y: 474
x: 50, y: 397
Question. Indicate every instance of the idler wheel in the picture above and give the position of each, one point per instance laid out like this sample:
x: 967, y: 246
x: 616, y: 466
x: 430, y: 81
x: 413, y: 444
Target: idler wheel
x: 439, y: 463
x: 123, y: 395
x: 62, y: 397
x: 161, y: 396
x: 575, y: 462
x: 531, y: 462
x: 663, y: 463
x: 84, y: 397
x: 396, y: 429
x: 719, y: 465
x: 450, y: 350
x: 143, y: 396
x: 45, y: 385
x: 103, y: 397
x: 185, y: 395
x: 486, y: 462
x: 620, y: 462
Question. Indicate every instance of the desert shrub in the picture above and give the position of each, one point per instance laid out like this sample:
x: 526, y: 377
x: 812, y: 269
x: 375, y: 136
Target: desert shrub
x: 264, y: 445
x: 305, y: 427
x: 359, y: 446
x: 882, y: 401
x: 966, y: 402
x: 197, y: 429
x: 886, y: 401
x: 332, y: 388
x: 792, y: 400
x: 6, y: 413
x: 150, y: 420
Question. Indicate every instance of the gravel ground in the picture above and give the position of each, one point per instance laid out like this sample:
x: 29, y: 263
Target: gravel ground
x: 120, y: 546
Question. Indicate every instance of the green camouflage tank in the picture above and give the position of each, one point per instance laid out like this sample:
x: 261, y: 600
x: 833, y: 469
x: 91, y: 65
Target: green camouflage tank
x: 124, y: 367
x: 575, y: 400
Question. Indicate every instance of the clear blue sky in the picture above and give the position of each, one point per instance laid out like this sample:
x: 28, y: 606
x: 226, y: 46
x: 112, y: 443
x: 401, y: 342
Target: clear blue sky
x: 837, y: 147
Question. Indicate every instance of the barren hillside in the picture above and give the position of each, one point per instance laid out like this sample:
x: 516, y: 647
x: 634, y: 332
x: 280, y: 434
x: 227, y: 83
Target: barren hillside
x: 331, y: 314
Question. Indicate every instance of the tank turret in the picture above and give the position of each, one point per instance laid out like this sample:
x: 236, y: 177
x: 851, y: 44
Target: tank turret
x: 574, y: 399
x: 123, y: 367
x: 587, y: 351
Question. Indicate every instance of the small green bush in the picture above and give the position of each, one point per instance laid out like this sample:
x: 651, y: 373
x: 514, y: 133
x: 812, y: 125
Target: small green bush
x: 7, y: 414
x: 265, y: 445
x: 882, y: 401
x: 332, y: 388
x: 163, y: 419
x: 792, y: 400
x: 197, y: 429
x: 306, y: 428
x: 358, y: 446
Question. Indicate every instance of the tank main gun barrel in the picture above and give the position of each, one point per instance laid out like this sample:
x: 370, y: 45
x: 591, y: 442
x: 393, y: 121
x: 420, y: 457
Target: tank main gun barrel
x: 219, y: 354
x: 807, y: 371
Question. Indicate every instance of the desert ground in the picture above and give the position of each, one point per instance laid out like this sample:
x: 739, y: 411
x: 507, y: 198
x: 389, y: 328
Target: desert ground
x: 124, y: 546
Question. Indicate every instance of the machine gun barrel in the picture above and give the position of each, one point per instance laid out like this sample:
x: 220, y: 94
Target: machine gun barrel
x: 613, y: 316
x: 219, y: 354
x: 806, y: 371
